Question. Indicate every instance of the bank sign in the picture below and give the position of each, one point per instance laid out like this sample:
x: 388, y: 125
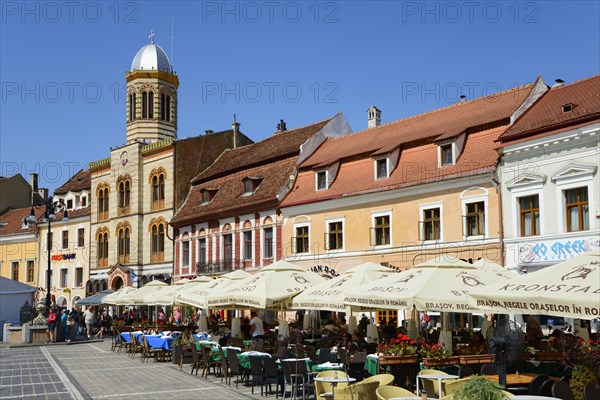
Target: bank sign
x: 556, y: 250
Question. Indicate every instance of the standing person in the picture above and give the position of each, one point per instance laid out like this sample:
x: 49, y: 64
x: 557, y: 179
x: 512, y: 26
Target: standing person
x: 74, y: 317
x: 64, y: 325
x: 89, y: 318
x: 103, y: 320
x: 257, y: 331
x: 51, y: 325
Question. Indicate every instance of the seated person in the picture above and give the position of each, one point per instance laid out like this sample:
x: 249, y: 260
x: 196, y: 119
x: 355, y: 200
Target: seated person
x: 478, y: 345
x: 555, y: 339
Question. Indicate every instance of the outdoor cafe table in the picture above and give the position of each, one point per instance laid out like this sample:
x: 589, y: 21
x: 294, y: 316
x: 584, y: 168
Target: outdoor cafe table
x: 439, y: 377
x: 334, y: 381
x: 159, y: 341
x: 244, y: 357
x: 214, y: 352
x: 523, y: 379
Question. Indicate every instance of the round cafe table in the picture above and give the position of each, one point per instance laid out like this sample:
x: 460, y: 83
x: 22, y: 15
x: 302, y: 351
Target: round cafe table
x: 334, y: 381
x: 439, y: 377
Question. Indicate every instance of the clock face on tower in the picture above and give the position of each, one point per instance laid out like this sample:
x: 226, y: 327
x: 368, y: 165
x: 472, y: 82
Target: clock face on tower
x: 124, y: 159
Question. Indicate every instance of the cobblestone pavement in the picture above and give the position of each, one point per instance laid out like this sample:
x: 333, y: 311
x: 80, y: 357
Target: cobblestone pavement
x: 92, y: 371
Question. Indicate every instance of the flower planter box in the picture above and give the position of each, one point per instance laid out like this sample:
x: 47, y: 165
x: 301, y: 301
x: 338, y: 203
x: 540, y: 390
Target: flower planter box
x: 549, y: 356
x: 476, y: 359
x: 392, y: 360
x: 434, y: 362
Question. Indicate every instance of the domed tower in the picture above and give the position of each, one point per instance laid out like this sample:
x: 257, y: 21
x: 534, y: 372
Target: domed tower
x: 151, y: 96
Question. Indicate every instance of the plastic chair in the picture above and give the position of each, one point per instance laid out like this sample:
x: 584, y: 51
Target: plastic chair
x: 196, y: 359
x: 451, y: 387
x: 381, y: 379
x: 343, y: 355
x: 260, y: 345
x: 256, y: 371
x: 431, y: 385
x: 591, y: 391
x: 324, y: 389
x: 388, y: 392
x: 489, y: 369
x: 562, y: 391
x: 536, y: 384
x: 235, y: 368
x: 295, y: 376
x: 272, y: 375
x: 360, y: 391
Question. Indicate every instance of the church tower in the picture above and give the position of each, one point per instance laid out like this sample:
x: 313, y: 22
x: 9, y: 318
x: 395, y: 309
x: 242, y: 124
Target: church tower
x: 151, y: 96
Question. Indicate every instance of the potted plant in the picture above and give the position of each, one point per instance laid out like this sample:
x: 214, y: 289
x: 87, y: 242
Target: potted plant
x: 435, y: 355
x: 400, y: 350
x: 468, y: 355
x: 478, y: 388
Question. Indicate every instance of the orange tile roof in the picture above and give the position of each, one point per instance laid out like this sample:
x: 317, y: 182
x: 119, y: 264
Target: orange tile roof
x: 417, y: 165
x: 547, y: 114
x: 82, y: 180
x: 440, y: 124
x: 11, y: 222
x: 279, y: 145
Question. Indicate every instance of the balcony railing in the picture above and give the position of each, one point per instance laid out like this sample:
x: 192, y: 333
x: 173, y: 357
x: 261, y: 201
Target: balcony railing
x: 219, y: 267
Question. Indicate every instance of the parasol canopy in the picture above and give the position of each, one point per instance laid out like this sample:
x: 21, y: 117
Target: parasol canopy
x: 329, y: 295
x: 95, y: 299
x: 112, y: 298
x: 569, y: 289
x: 273, y: 287
x: 166, y: 297
x: 440, y: 284
x: 136, y: 297
x: 195, y: 295
x: 487, y: 265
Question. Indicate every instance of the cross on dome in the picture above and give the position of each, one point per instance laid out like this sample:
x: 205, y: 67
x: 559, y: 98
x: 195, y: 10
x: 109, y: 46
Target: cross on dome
x: 151, y: 36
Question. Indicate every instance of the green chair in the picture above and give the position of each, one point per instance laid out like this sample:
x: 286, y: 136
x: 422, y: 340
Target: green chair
x: 388, y: 392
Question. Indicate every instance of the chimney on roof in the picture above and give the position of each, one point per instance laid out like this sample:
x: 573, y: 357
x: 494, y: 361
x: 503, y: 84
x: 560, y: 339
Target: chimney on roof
x: 463, y: 98
x: 33, y: 182
x: 559, y: 82
x: 235, y: 127
x: 208, y: 131
x: 281, y: 126
x: 374, y: 117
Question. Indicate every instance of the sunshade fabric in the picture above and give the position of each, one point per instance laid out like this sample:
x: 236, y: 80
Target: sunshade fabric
x: 329, y: 295
x: 196, y: 295
x: 112, y: 298
x: 568, y: 289
x: 487, y: 265
x: 273, y: 287
x: 137, y: 297
x: 436, y: 285
x: 166, y: 297
x: 95, y: 299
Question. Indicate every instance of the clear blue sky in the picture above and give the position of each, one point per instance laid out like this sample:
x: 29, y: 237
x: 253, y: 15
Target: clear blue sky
x: 62, y: 66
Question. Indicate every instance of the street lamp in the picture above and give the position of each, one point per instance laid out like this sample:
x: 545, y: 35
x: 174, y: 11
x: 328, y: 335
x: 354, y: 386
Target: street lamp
x: 49, y: 216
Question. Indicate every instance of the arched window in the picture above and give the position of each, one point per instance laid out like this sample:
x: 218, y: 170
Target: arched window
x: 157, y: 180
x: 124, y: 196
x: 124, y: 242
x: 132, y: 106
x: 151, y: 105
x: 103, y: 201
x: 144, y: 105
x: 165, y: 107
x: 102, y: 246
x: 157, y: 247
x: 148, y: 105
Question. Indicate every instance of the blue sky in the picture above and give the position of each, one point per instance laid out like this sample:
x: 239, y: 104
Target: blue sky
x: 62, y: 65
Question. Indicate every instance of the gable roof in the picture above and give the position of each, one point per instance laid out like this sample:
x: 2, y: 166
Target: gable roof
x: 82, y: 180
x: 547, y: 114
x: 279, y: 145
x: 440, y: 124
x: 11, y: 222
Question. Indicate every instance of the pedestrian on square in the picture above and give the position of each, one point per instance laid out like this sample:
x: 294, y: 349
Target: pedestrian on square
x: 103, y: 321
x: 89, y: 318
x: 257, y: 331
x: 51, y: 325
x: 64, y: 325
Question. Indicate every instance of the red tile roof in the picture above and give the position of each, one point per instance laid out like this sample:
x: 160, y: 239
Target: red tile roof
x: 277, y: 146
x: 11, y: 222
x: 82, y: 180
x: 272, y: 160
x: 547, y: 114
x: 440, y: 124
x: 417, y: 165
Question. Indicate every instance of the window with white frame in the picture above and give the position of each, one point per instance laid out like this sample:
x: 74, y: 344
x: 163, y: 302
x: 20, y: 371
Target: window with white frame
x: 577, y: 209
x: 474, y: 218
x: 430, y: 225
x: 64, y: 275
x: 79, y: 277
x: 529, y: 215
x: 446, y: 154
x: 228, y: 250
x: 301, y: 240
x: 381, y: 230
x: 321, y: 180
x: 30, y: 270
x: 268, y: 243
x: 382, y: 168
x: 185, y: 253
x: 202, y: 259
x: 14, y: 266
x: 335, y: 235
x: 247, y: 245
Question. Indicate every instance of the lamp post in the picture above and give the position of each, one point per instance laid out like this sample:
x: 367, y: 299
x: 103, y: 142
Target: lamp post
x: 49, y: 216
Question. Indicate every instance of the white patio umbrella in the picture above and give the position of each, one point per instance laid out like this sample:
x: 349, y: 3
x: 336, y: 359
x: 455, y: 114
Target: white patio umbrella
x: 166, y: 297
x: 95, y: 299
x: 195, y: 295
x: 136, y: 298
x: 112, y: 298
x: 568, y: 289
x: 487, y: 265
x: 329, y: 295
x: 273, y: 287
x: 436, y: 285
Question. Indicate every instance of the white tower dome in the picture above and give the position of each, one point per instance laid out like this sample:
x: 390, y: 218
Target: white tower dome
x: 151, y: 57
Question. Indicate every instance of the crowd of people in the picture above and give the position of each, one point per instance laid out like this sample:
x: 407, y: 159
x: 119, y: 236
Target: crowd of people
x: 66, y: 325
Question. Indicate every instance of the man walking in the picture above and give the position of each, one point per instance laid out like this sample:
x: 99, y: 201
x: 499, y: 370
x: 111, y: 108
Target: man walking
x: 89, y: 317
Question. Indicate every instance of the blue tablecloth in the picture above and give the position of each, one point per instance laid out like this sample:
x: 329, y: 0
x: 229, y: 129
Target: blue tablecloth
x: 159, y: 342
x: 126, y: 336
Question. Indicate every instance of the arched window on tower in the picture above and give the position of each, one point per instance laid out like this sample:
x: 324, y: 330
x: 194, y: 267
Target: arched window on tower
x: 157, y: 180
x: 158, y: 241
x: 131, y: 106
x: 102, y: 247
x: 103, y: 201
x: 165, y: 107
x: 123, y: 245
x: 124, y: 196
x: 151, y: 105
x: 144, y: 105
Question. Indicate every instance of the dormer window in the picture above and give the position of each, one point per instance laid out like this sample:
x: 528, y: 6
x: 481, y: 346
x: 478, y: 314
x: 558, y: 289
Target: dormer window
x: 381, y: 168
x: 567, y: 107
x: 250, y: 185
x: 446, y: 155
x: 321, y: 180
x: 207, y: 196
